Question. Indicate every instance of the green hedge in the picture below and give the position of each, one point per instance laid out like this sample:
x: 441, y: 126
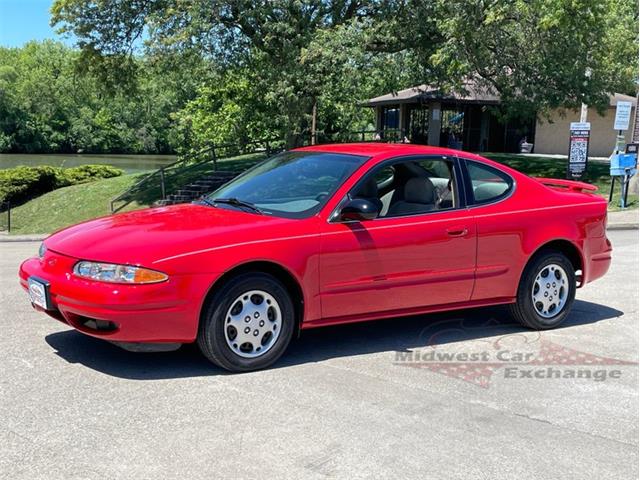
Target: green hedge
x: 23, y: 183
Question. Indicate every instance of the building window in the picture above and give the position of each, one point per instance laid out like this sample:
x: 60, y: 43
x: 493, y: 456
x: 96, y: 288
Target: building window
x: 452, y: 127
x: 390, y: 118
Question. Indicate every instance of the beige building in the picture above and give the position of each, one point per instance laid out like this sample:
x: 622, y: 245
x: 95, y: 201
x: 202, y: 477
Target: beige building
x: 552, y: 136
x: 425, y: 115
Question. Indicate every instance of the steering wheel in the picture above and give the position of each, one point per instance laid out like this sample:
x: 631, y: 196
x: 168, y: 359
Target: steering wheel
x: 321, y: 196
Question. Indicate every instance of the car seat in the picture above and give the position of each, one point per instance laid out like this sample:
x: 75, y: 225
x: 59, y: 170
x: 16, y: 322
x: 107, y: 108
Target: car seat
x: 419, y: 196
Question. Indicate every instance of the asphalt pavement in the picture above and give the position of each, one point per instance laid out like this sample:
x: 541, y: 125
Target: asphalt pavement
x: 450, y: 396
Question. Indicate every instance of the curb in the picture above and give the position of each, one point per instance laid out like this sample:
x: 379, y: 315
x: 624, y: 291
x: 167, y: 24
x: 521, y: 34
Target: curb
x: 22, y: 238
x: 623, y: 226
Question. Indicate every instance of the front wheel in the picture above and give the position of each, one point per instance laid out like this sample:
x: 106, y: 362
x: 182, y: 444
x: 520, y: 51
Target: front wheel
x: 546, y: 292
x: 247, y: 324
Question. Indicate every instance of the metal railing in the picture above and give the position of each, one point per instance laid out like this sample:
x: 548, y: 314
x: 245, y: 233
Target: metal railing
x: 160, y: 183
x: 387, y: 135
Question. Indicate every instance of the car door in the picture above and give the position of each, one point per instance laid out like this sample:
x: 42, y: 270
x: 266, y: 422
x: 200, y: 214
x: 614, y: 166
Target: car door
x: 409, y: 258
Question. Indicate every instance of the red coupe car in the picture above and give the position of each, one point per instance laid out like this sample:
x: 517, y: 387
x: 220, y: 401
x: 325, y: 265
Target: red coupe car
x: 320, y: 236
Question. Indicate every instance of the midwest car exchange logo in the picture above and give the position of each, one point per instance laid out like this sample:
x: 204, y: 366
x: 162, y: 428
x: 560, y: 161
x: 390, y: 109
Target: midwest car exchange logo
x: 522, y: 356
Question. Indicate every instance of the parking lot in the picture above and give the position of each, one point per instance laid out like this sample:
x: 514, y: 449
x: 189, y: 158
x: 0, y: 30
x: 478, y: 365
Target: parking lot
x: 457, y: 395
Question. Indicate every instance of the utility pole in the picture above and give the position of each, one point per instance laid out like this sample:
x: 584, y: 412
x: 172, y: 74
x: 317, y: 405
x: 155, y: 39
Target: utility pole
x: 584, y: 109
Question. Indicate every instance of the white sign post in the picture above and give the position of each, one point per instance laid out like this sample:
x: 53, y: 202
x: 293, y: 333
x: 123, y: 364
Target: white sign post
x: 623, y: 115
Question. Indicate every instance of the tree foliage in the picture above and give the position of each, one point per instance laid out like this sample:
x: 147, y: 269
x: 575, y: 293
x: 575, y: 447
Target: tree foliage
x: 537, y: 54
x: 154, y: 75
x: 541, y: 54
x: 47, y: 105
x: 293, y: 54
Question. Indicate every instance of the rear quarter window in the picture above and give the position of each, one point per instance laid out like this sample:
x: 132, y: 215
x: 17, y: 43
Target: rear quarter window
x: 487, y: 183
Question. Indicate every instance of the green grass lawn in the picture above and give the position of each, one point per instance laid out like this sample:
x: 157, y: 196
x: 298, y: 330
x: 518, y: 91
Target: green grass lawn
x: 77, y: 203
x: 597, y: 173
x: 70, y: 205
x: 151, y: 190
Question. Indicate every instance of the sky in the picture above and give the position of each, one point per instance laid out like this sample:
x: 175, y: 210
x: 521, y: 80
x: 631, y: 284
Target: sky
x: 24, y: 20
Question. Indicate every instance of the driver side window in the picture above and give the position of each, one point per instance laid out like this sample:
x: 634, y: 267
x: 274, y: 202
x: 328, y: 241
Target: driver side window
x: 410, y: 186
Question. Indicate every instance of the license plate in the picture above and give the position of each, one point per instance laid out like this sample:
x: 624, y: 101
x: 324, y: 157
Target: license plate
x: 39, y: 292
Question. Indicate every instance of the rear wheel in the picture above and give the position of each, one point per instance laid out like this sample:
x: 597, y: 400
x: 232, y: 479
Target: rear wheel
x: 546, y: 292
x: 247, y: 324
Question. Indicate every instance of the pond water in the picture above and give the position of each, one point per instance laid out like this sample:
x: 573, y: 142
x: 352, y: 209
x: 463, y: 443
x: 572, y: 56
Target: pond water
x: 128, y: 163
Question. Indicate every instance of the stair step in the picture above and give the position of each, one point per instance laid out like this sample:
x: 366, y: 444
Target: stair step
x: 209, y: 182
x: 220, y: 176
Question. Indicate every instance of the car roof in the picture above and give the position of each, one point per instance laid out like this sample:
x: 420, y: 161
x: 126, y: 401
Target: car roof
x: 373, y: 149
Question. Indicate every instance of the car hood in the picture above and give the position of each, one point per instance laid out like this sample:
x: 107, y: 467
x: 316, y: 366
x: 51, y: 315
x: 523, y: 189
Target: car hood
x: 143, y: 237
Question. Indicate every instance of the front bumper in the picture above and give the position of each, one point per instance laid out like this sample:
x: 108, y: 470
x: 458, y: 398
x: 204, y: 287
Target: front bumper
x: 158, y: 313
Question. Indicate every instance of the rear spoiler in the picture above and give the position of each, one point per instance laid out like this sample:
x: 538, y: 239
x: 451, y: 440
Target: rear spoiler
x: 571, y: 185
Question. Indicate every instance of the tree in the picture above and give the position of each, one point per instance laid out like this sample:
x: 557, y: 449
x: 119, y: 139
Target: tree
x: 538, y: 54
x: 225, y: 112
x: 330, y: 53
x: 275, y: 41
x: 38, y: 94
x: 46, y: 105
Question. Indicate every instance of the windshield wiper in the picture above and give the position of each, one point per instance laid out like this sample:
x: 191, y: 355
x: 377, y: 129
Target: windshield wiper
x: 206, y: 201
x: 237, y: 203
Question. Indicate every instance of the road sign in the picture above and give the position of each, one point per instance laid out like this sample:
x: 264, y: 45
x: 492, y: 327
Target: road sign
x: 578, y: 149
x: 623, y: 115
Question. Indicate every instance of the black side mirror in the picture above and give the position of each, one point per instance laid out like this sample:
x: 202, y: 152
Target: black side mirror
x: 359, y: 209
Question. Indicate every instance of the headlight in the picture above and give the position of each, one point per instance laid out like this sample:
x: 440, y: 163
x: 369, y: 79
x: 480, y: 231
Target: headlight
x: 42, y: 250
x: 109, y: 272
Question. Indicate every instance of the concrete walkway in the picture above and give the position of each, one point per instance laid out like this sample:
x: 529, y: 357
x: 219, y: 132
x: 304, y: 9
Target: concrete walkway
x: 36, y: 237
x: 623, y: 220
x: 557, y: 156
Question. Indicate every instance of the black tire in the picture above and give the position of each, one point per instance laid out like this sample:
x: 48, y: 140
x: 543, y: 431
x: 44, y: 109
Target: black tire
x: 211, y: 334
x: 524, y: 310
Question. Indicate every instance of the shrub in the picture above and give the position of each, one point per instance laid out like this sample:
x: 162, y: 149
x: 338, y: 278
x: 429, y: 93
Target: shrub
x: 20, y: 184
x: 86, y: 173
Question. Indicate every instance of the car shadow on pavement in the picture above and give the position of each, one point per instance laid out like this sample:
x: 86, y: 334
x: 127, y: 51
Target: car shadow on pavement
x: 391, y: 335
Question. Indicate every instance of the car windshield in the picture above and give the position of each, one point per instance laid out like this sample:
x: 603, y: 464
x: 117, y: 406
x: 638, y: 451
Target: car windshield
x: 292, y: 184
